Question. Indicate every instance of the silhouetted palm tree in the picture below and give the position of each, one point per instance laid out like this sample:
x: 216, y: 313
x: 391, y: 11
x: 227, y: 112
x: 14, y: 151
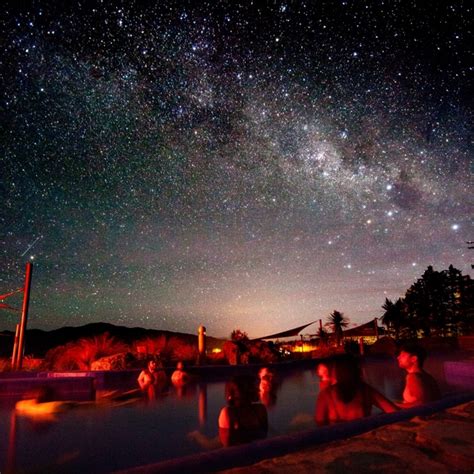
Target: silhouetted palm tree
x: 394, y: 315
x: 337, y: 322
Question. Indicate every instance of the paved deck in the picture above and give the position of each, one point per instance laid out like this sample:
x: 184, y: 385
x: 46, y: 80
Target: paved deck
x: 438, y: 443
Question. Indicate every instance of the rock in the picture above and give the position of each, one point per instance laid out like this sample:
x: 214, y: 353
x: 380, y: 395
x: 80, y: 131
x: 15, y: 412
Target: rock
x: 114, y: 362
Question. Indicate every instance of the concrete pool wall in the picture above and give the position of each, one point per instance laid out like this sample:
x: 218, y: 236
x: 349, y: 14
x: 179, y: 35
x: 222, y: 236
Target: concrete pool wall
x: 64, y: 388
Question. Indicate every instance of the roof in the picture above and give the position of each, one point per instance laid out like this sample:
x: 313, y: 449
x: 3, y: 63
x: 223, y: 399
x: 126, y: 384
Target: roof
x: 288, y: 333
x: 367, y: 329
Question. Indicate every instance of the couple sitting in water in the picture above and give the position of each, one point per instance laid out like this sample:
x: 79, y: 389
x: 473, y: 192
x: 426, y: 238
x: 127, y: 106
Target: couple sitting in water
x: 344, y: 396
x: 153, y: 379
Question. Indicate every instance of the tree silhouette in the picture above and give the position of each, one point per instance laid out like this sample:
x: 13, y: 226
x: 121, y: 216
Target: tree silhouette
x: 461, y: 302
x: 438, y: 303
x: 239, y: 336
x: 337, y: 322
x: 394, y: 316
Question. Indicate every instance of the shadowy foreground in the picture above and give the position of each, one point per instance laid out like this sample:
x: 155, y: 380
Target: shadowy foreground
x: 439, y: 443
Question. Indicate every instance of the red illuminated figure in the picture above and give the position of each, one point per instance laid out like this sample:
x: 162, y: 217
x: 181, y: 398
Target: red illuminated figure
x: 151, y: 379
x: 420, y: 386
x: 349, y: 398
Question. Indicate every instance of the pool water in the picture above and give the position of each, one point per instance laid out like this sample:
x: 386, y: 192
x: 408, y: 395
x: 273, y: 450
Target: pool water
x: 112, y: 438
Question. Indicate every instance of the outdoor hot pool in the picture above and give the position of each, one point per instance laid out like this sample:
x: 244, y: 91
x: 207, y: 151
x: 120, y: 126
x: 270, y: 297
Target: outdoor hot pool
x: 107, y: 439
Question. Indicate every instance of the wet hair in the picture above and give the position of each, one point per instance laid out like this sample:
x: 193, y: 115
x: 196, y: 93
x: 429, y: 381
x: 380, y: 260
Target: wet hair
x: 414, y: 350
x: 241, y: 390
x: 348, y: 376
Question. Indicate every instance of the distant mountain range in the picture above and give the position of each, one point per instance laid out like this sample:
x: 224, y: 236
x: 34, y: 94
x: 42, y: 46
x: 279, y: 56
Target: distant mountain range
x: 38, y: 342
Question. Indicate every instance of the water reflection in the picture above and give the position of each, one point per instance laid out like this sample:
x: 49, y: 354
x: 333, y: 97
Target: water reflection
x: 202, y: 404
x: 11, y: 450
x: 268, y: 387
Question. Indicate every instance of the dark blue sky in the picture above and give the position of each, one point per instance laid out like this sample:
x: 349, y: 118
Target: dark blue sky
x: 233, y: 164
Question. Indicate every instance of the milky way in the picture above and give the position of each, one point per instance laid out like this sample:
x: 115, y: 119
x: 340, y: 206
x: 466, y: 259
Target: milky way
x: 233, y: 164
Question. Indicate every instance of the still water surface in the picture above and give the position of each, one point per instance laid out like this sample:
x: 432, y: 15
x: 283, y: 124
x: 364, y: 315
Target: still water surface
x: 107, y: 439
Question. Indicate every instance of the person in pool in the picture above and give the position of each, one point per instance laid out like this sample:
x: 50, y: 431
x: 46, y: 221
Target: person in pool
x: 420, y: 386
x: 151, y: 379
x: 243, y: 419
x: 349, y: 398
x: 324, y: 371
x: 179, y: 377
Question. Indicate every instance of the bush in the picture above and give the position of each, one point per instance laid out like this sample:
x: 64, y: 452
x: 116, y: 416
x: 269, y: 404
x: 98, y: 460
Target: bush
x: 79, y: 355
x: 5, y: 364
x: 63, y: 358
x: 153, y: 345
x: 177, y: 349
x: 261, y: 351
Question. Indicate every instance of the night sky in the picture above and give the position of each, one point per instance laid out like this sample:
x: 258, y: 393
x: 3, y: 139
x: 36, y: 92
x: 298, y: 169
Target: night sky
x: 236, y: 164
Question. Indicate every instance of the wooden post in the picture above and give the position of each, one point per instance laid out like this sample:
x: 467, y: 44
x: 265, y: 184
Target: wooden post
x: 24, y: 316
x: 15, y: 347
x: 201, y: 344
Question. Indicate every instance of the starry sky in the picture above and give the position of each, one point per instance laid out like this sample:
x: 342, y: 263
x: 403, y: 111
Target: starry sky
x: 237, y: 164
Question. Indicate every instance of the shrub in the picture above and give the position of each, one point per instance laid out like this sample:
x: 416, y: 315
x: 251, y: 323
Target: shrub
x: 177, y: 349
x: 79, y: 355
x: 32, y: 363
x: 63, y: 357
x: 261, y: 351
x: 5, y: 364
x: 153, y: 345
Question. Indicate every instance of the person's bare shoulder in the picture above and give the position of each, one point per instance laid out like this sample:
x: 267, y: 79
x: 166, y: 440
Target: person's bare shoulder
x: 224, y: 418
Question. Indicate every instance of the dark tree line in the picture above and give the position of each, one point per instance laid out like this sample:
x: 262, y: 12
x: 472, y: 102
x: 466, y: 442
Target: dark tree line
x: 437, y: 304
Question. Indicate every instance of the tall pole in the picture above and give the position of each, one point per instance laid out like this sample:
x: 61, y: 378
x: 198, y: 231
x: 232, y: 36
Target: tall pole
x: 15, y: 347
x: 24, y: 316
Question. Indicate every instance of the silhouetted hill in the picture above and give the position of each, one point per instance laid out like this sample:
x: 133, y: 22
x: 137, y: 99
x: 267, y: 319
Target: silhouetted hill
x: 38, y: 342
